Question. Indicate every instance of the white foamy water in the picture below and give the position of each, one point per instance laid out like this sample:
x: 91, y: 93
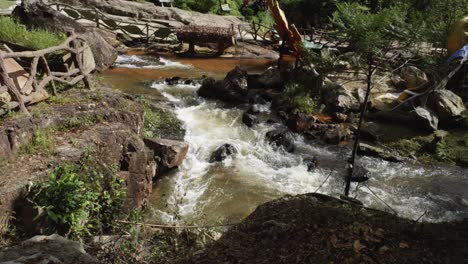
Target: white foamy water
x: 200, y: 192
x: 146, y: 62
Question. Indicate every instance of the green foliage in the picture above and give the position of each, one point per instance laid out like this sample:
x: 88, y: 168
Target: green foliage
x: 41, y: 143
x: 157, y: 121
x: 78, y: 199
x: 439, y: 17
x: 78, y: 122
x: 296, y: 95
x: 369, y: 33
x: 264, y: 18
x: 208, y: 6
x: 454, y: 148
x: 13, y: 32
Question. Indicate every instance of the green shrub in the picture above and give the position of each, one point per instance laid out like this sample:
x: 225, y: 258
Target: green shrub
x: 297, y: 96
x: 13, y: 32
x: 78, y: 199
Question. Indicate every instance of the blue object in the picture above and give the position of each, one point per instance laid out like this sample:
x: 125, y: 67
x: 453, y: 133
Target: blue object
x: 461, y: 53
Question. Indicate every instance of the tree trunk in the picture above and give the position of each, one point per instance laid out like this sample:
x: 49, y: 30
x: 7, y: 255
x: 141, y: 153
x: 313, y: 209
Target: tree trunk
x: 351, y: 161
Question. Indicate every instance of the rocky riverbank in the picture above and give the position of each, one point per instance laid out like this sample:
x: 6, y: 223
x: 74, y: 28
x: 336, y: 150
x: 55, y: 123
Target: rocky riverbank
x: 314, y: 228
x: 110, y: 124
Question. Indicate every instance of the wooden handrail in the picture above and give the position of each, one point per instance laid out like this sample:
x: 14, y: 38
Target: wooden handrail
x: 74, y: 45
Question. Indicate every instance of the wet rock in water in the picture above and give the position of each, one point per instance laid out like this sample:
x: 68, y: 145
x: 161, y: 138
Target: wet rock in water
x: 232, y: 89
x: 371, y: 131
x: 281, y: 138
x: 188, y: 82
x: 339, y: 98
x: 52, y: 249
x: 300, y: 122
x: 447, y: 105
x: 222, y: 152
x: 425, y: 118
x: 379, y: 152
x: 254, y: 109
x: 173, y: 81
x: 170, y: 153
x: 249, y: 119
x: 337, y: 134
x: 312, y: 163
x: 283, y: 115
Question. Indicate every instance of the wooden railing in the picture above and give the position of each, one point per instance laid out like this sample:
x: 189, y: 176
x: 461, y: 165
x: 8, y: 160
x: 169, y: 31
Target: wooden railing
x: 137, y: 29
x: 74, y: 47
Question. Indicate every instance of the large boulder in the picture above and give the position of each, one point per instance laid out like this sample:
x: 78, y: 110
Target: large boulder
x: 337, y: 134
x: 447, y: 105
x: 425, y: 118
x: 338, y: 98
x: 300, y: 122
x: 36, y: 14
x: 169, y: 153
x: 232, y: 89
x: 271, y: 78
x: 379, y: 151
x: 222, y: 153
x: 52, y: 249
x: 414, y: 77
x: 249, y: 119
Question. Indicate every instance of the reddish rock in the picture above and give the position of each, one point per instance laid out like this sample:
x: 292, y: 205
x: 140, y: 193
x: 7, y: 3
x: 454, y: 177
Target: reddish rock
x: 170, y: 153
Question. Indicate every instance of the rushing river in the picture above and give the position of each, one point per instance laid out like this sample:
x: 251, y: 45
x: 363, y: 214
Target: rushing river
x: 208, y: 193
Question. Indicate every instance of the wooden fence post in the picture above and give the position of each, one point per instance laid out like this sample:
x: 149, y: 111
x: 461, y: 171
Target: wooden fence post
x: 77, y: 57
x: 4, y: 78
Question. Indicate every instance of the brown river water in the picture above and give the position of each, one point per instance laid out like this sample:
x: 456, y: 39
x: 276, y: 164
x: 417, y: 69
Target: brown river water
x: 202, y: 193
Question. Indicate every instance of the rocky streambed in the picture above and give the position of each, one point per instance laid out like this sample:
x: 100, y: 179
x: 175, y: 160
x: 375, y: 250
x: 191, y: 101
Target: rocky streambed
x: 200, y: 191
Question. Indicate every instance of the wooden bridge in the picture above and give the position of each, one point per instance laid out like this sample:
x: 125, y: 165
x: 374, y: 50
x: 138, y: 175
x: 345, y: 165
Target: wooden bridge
x: 147, y: 30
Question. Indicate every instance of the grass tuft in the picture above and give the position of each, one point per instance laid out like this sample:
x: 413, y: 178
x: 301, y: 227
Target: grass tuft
x: 15, y: 33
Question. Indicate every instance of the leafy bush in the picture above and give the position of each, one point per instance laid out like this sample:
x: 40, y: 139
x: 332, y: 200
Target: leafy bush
x: 13, y: 32
x: 297, y: 96
x: 77, y: 199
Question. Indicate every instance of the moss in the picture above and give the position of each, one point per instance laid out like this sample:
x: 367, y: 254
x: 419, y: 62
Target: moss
x: 453, y: 148
x: 442, y: 146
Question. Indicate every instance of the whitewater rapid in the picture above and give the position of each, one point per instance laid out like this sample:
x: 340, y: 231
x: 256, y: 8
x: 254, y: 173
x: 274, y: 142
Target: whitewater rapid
x: 199, y: 192
x: 229, y: 191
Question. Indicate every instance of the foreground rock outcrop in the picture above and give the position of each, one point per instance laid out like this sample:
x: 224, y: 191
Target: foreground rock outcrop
x: 52, y: 249
x: 314, y: 228
x: 62, y: 131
